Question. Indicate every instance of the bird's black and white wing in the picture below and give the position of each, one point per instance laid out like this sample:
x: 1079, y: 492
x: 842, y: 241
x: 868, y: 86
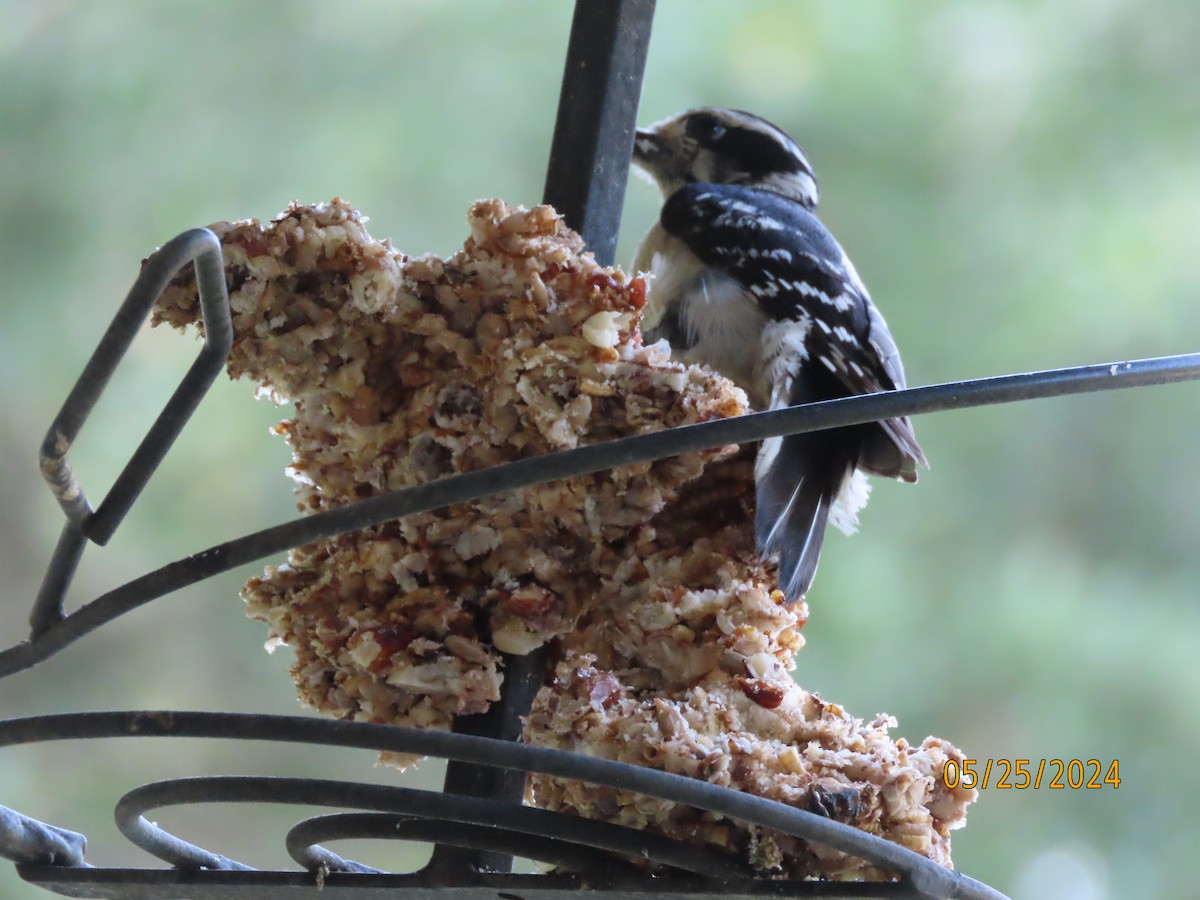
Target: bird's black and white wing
x: 823, y: 339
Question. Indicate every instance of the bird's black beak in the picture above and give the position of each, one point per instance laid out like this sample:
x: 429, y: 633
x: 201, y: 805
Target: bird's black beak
x: 647, y: 147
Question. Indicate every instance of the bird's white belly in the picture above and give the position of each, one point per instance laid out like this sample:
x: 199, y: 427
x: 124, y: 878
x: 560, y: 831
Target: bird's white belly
x: 726, y: 325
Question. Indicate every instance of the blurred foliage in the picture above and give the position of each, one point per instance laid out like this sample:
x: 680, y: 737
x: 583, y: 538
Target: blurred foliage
x: 1017, y: 183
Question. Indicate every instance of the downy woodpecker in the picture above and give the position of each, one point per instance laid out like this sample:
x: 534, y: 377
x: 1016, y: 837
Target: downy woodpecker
x: 748, y: 281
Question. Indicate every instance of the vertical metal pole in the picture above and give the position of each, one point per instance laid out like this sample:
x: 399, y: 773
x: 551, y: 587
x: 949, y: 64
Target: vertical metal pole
x: 597, y: 116
x: 585, y: 181
x: 523, y: 676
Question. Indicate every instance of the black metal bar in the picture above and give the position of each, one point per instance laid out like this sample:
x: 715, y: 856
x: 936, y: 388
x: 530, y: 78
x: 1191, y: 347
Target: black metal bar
x: 48, y: 606
x: 202, y: 246
x: 303, y: 842
x: 523, y: 676
x: 166, y: 884
x: 587, y: 460
x: 597, y: 113
x: 927, y: 877
x: 501, y: 817
x: 585, y: 181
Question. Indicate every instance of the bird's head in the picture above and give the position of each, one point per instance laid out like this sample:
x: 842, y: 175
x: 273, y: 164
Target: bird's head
x: 724, y: 146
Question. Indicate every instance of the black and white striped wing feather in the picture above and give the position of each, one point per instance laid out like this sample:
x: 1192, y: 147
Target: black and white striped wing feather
x: 824, y: 339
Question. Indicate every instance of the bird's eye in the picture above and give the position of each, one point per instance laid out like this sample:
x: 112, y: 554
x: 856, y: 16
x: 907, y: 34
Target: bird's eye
x: 705, y: 129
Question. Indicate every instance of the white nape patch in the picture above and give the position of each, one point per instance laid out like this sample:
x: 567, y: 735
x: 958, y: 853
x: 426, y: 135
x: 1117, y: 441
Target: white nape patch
x: 797, y: 185
x: 843, y: 514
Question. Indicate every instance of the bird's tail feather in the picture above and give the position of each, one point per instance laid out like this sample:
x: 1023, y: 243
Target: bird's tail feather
x: 794, y: 497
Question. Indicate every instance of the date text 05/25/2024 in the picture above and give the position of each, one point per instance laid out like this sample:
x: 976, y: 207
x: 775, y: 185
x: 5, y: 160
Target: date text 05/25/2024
x: 1022, y: 774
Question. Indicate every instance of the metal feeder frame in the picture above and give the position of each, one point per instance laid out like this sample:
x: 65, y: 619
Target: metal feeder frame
x: 477, y: 823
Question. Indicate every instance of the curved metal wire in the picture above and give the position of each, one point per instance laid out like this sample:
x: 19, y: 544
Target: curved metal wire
x: 923, y: 875
x: 52, y: 630
x: 202, y: 246
x: 303, y: 842
x: 161, y: 884
x: 554, y: 829
x: 590, y: 149
x: 588, y: 460
x: 198, y: 245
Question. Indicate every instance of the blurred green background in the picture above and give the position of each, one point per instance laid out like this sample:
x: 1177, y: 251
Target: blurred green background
x: 1018, y: 184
